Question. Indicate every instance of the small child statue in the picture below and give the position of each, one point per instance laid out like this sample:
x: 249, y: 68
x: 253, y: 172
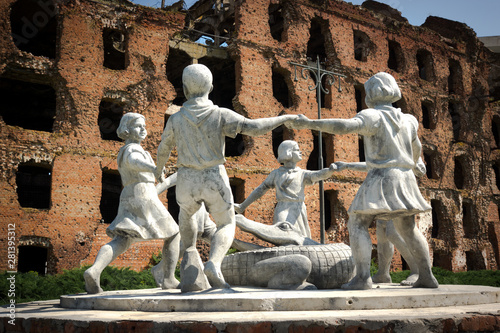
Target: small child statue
x: 390, y: 190
x: 289, y: 182
x: 198, y: 131
x: 141, y: 215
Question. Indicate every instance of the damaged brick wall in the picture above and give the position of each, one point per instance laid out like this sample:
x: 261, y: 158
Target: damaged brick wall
x: 112, y: 57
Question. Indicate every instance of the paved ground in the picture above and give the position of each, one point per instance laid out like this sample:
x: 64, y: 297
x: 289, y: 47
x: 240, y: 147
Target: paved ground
x: 48, y: 316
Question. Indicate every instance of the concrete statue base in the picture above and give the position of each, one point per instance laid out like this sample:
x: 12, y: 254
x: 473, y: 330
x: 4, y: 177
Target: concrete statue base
x: 382, y: 296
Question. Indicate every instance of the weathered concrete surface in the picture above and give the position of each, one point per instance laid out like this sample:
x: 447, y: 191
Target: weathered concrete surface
x: 48, y: 316
x: 383, y: 296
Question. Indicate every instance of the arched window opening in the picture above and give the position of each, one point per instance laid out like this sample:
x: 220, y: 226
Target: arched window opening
x: 34, y: 27
x: 110, y: 195
x: 115, y: 48
x: 27, y: 105
x: 395, y: 61
x: 362, y: 46
x: 176, y: 62
x: 276, y: 21
x: 34, y: 183
x: 425, y: 65
x: 496, y: 171
x: 431, y: 164
x: 110, y: 114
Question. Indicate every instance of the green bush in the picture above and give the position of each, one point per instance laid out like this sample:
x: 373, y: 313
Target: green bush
x: 478, y: 278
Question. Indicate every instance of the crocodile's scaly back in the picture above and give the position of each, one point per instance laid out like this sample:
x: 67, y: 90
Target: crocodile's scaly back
x: 332, y: 264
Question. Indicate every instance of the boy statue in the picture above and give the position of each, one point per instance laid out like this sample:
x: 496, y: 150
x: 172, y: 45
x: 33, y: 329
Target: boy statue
x: 198, y: 131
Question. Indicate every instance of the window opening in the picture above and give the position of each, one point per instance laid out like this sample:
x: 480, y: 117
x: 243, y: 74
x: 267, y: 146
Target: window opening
x: 224, y: 78
x: 427, y: 115
x: 34, y: 27
x: 455, y: 78
x: 27, y: 105
x: 442, y: 259
x: 430, y: 164
x: 34, y: 182
x: 280, y: 89
x: 468, y: 219
x: 280, y: 134
x: 454, y: 110
x: 176, y: 62
x: 436, y: 215
x: 32, y: 259
x: 474, y: 261
x: 238, y: 189
x: 425, y: 65
x: 359, y: 96
x: 316, y: 43
x: 110, y: 195
x: 110, y: 114
x: 361, y: 46
x: 172, y: 205
x: 312, y: 162
x: 495, y: 124
x: 395, y: 61
x: 459, y: 173
x: 361, y: 149
x: 276, y: 21
x: 496, y: 170
x: 115, y: 48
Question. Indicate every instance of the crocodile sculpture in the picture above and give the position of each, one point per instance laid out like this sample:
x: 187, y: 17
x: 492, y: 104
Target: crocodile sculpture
x: 329, y: 266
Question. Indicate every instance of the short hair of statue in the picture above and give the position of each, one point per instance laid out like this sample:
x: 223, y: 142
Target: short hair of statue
x: 122, y: 130
x: 197, y: 80
x: 381, y: 88
x: 285, y: 150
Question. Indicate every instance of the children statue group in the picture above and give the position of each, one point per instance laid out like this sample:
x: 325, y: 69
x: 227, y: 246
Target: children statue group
x: 389, y: 194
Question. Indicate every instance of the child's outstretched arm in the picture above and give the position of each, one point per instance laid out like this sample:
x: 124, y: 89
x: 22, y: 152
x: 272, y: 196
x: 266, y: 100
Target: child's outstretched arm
x: 356, y: 166
x: 255, y: 195
x: 166, y: 184
x: 323, y: 173
x: 332, y: 126
x: 256, y: 127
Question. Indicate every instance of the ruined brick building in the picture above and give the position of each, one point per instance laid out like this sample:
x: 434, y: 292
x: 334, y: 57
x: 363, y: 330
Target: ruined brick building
x: 70, y: 68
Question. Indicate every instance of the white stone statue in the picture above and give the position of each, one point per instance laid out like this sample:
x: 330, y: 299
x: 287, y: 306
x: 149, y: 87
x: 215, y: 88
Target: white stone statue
x: 390, y: 190
x: 141, y: 215
x: 289, y: 182
x: 198, y: 131
x: 387, y: 236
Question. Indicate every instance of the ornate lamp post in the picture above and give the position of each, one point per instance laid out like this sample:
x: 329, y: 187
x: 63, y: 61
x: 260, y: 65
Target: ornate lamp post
x: 318, y: 74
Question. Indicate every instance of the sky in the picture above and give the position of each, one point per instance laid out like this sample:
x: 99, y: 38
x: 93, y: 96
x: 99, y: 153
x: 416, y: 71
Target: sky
x: 480, y: 15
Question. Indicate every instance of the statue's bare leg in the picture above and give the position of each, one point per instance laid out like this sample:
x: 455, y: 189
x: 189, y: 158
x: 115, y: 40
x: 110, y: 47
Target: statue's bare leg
x: 385, y: 252
x: 164, y: 272
x: 361, y: 250
x: 219, y: 245
x: 104, y: 257
x: 417, y: 244
x: 400, y: 244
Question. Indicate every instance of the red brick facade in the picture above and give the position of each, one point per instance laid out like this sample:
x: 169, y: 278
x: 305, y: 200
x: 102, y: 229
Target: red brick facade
x: 114, y: 58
